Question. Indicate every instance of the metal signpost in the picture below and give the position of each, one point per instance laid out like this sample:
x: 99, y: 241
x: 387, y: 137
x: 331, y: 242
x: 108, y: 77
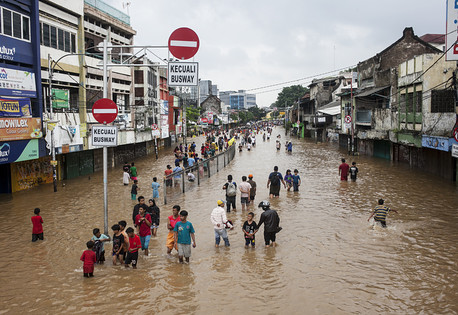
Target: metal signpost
x: 183, y: 44
x: 104, y: 111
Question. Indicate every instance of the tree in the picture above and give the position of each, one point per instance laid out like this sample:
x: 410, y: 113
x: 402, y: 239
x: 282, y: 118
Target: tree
x: 192, y: 113
x: 258, y: 113
x: 289, y: 95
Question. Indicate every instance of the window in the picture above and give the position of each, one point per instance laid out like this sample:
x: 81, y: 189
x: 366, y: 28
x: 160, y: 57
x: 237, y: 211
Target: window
x: 60, y: 39
x: 7, y: 22
x: 53, y: 34
x: 14, y: 24
x: 442, y: 101
x: 67, y: 41
x: 57, y: 38
x: 17, y: 25
x: 410, y: 100
x: 25, y: 28
x: 73, y: 43
x: 46, y: 39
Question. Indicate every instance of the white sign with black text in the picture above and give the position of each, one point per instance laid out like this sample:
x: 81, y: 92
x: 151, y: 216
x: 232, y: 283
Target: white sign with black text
x: 455, y: 150
x: 104, y: 136
x: 183, y: 74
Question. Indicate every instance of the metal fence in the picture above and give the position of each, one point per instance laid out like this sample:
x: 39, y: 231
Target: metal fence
x: 178, y: 182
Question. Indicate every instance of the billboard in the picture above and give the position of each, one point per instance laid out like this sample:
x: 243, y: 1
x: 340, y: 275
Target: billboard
x: 17, y: 83
x: 20, y: 128
x: 451, y: 31
x: 19, y: 151
x: 60, y: 98
x: 15, y: 107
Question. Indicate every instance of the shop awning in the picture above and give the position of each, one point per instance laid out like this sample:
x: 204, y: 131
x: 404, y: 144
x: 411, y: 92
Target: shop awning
x: 332, y: 108
x: 369, y: 92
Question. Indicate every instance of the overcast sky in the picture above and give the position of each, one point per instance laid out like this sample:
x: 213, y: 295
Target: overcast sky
x: 247, y: 44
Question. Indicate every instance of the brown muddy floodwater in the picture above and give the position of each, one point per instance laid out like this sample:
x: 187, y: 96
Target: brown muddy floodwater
x: 329, y: 259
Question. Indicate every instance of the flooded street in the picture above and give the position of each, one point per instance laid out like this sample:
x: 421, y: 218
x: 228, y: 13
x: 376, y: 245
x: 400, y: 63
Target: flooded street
x: 329, y: 259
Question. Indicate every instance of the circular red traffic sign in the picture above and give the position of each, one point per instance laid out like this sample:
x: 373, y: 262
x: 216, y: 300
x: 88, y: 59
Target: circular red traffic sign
x: 154, y: 126
x: 348, y: 119
x: 183, y: 43
x: 105, y: 111
x: 455, y: 134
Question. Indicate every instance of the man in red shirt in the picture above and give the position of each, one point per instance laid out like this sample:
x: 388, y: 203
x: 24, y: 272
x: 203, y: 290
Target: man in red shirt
x: 89, y: 259
x: 172, y: 221
x: 134, y: 246
x: 37, y: 230
x: 344, y: 168
x: 143, y: 222
x: 167, y: 172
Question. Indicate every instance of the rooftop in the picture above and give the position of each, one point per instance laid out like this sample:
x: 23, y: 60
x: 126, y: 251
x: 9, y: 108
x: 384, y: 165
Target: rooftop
x: 108, y: 9
x: 433, y: 38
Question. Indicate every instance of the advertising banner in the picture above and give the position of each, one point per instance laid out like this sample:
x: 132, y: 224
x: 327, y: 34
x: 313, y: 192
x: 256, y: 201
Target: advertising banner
x: 451, y: 30
x: 17, y: 83
x: 60, y: 98
x: 15, y: 50
x: 164, y: 107
x: 16, y: 151
x: 436, y: 143
x: 20, y: 128
x: 15, y: 107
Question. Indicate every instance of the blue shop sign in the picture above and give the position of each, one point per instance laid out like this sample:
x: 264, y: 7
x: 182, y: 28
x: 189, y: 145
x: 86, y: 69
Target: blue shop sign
x: 16, y: 50
x: 436, y: 143
x: 19, y: 150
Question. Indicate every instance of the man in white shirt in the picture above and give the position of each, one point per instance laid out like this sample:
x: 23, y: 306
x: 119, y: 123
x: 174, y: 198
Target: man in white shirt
x: 245, y: 192
x: 219, y: 220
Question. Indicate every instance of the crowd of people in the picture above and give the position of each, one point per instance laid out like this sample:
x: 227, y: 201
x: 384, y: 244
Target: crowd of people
x: 127, y: 242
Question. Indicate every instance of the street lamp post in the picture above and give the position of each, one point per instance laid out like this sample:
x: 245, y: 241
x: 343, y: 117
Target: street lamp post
x: 53, y: 149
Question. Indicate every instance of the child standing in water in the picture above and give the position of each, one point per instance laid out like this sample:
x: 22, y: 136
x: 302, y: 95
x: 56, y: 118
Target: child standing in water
x: 289, y: 179
x: 296, y: 180
x: 155, y: 186
x: 249, y: 230
x: 88, y: 258
x: 37, y: 230
x: 134, y: 190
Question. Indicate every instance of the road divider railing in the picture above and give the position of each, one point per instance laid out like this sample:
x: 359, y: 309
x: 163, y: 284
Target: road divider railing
x: 179, y: 182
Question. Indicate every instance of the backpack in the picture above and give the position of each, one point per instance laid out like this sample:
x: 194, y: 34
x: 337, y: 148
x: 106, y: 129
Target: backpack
x: 275, y: 179
x: 230, y: 190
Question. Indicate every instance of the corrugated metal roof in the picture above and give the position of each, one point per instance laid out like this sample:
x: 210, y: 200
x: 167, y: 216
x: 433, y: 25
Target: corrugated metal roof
x: 371, y: 91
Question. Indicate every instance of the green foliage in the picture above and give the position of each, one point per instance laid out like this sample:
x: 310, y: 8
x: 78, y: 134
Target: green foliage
x: 245, y: 116
x: 258, y: 113
x: 289, y: 95
x: 192, y: 113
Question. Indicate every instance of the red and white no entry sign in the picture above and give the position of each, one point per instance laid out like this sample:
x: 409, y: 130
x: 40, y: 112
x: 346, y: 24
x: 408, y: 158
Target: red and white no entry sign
x: 154, y: 126
x: 455, y: 134
x: 183, y: 43
x: 348, y: 119
x: 105, y: 111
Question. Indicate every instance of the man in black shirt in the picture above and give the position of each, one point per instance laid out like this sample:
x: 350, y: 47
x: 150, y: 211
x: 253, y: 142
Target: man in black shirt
x: 271, y: 222
x: 141, y: 201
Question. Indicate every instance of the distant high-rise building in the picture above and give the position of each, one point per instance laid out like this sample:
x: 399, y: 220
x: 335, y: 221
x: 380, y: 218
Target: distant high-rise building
x: 238, y: 99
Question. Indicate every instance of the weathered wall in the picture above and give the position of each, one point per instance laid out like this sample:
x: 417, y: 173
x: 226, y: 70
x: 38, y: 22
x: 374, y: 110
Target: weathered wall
x: 384, y: 119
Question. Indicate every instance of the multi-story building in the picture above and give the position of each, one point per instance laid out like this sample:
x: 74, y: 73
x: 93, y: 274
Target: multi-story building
x: 22, y: 151
x: 238, y: 100
x: 147, y: 104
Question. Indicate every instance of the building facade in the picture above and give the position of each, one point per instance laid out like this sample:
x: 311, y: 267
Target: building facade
x: 238, y: 100
x: 23, y: 162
